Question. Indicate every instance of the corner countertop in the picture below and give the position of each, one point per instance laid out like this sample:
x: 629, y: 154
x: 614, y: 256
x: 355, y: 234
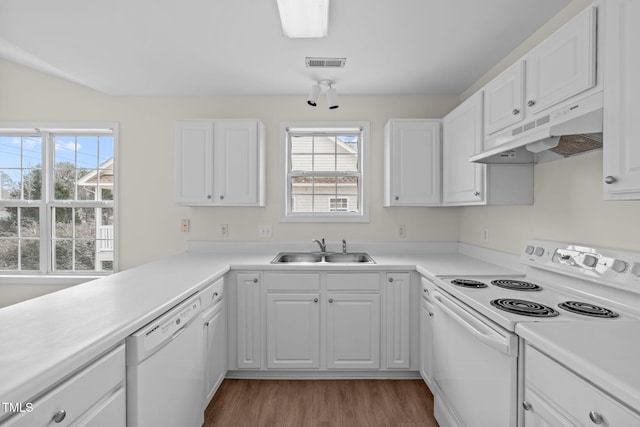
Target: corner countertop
x: 46, y: 339
x: 605, y: 352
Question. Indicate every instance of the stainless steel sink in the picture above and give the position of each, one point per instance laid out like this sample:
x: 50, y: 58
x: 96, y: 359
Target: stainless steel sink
x: 318, y: 258
x: 293, y: 257
x: 360, y: 258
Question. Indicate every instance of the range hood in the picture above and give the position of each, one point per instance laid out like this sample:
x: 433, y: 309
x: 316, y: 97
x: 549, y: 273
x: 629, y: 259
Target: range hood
x: 565, y: 131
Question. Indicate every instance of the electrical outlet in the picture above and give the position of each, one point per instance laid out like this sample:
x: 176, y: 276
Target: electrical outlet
x: 485, y: 234
x: 185, y: 225
x: 264, y: 230
x: 224, y: 230
x: 402, y: 231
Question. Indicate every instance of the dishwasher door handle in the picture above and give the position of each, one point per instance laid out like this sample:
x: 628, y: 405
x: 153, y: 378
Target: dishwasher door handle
x: 179, y: 332
x: 474, y: 326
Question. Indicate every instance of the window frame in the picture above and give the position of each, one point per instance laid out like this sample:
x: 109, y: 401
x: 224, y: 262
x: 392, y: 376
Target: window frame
x: 363, y: 127
x: 47, y: 131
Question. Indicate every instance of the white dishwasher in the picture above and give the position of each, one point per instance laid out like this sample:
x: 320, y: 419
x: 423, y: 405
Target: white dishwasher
x: 165, y: 378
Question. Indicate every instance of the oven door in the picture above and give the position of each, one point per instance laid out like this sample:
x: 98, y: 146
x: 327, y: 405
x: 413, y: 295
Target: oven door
x: 475, y: 368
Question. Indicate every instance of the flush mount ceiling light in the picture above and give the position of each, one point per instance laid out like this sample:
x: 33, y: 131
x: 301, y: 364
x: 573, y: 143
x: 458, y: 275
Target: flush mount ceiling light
x: 317, y: 89
x: 304, y: 18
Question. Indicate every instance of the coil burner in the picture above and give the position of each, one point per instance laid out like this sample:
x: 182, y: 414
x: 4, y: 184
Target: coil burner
x: 516, y: 285
x: 467, y: 283
x: 525, y: 308
x: 587, y: 309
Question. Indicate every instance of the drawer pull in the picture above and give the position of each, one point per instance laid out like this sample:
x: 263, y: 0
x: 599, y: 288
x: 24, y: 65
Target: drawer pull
x: 255, y: 280
x: 390, y: 279
x: 330, y: 300
x: 595, y: 417
x: 59, y: 416
x: 526, y: 405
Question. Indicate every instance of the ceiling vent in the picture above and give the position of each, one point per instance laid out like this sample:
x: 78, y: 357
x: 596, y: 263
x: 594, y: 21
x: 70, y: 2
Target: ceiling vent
x: 325, y: 62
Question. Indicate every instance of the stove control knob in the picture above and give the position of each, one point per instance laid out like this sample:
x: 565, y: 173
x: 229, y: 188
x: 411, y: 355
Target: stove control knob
x: 529, y: 249
x: 539, y: 251
x: 590, y: 261
x: 619, y: 266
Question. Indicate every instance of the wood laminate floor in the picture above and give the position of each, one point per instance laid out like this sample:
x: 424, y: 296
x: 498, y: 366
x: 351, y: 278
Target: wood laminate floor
x: 321, y: 403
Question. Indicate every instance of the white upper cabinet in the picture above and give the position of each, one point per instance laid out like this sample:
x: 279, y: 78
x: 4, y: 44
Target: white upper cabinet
x: 462, y: 137
x: 563, y: 65
x: 466, y: 183
x: 194, y: 162
x: 220, y: 163
x: 504, y: 99
x: 560, y: 67
x: 621, y: 106
x: 412, y: 162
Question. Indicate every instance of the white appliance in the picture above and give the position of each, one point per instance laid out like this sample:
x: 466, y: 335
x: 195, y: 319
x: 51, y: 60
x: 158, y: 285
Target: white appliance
x: 476, y: 348
x: 165, y: 379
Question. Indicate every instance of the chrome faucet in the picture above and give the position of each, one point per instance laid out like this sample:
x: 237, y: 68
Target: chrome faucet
x: 322, y: 244
x: 344, y: 246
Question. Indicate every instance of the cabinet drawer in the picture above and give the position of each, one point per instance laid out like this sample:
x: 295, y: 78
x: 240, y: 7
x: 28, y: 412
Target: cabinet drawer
x: 353, y: 282
x: 569, y: 394
x: 212, y: 293
x: 88, y: 391
x: 292, y: 282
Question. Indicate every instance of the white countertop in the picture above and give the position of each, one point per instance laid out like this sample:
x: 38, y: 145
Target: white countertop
x: 607, y: 353
x: 46, y: 339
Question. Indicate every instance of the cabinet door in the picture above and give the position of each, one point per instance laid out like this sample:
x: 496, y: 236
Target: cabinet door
x: 194, y: 162
x: 397, y: 297
x: 621, y: 107
x: 504, y: 99
x: 215, y: 333
x: 293, y: 330
x: 563, y: 65
x: 463, y: 181
x: 353, y: 331
x: 236, y: 162
x: 249, y: 322
x: 412, y: 170
x: 426, y: 342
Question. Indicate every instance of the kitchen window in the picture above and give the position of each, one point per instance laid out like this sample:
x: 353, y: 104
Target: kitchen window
x: 57, y: 200
x: 325, y: 167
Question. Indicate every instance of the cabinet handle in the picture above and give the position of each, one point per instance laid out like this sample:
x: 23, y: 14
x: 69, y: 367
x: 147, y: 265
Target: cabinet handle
x: 397, y: 198
x: 315, y: 300
x: 515, y: 112
x: 59, y: 416
x: 208, y: 196
x: 215, y: 294
x: 206, y: 324
x: 221, y: 197
x: 390, y: 279
x: 476, y: 193
x: 595, y: 417
x: 610, y: 179
x: 526, y: 405
x: 531, y: 103
x: 330, y: 300
x: 430, y: 314
x: 255, y: 280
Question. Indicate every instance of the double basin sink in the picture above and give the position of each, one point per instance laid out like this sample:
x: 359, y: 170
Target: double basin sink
x: 323, y: 257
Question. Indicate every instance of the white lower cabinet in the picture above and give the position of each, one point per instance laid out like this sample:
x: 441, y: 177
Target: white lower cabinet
x: 293, y: 330
x: 95, y: 396
x: 249, y: 320
x: 555, y: 396
x: 397, y: 299
x: 323, y: 320
x: 353, y: 331
x: 426, y: 332
x: 215, y: 337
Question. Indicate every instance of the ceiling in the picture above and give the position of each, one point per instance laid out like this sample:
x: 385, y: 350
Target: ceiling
x: 236, y: 47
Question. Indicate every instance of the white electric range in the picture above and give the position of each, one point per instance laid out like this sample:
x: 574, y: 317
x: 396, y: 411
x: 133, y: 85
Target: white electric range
x: 476, y: 348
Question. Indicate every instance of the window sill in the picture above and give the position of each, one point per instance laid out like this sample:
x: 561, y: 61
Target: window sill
x: 48, y: 279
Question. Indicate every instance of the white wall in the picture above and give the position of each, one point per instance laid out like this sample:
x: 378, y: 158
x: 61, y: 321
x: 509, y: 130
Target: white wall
x: 149, y: 219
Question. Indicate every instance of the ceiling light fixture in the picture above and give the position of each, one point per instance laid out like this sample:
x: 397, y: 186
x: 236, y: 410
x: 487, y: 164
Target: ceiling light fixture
x: 304, y: 18
x: 317, y: 89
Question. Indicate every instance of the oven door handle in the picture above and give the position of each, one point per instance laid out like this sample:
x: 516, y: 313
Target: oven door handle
x: 483, y: 333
